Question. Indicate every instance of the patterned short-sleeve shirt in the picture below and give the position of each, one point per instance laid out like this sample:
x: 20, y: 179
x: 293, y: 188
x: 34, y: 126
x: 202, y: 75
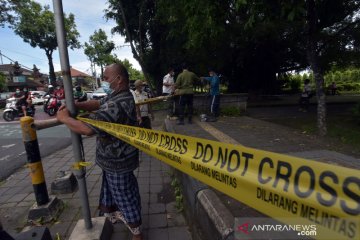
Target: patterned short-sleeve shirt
x: 112, y: 154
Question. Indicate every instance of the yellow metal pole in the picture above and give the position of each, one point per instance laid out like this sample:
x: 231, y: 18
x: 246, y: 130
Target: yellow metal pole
x: 34, y: 160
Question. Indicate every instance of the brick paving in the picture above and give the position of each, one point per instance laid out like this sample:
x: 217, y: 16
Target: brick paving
x: 161, y: 220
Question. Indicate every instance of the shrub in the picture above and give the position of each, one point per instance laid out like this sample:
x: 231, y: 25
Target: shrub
x: 230, y: 111
x: 348, y: 87
x: 295, y: 85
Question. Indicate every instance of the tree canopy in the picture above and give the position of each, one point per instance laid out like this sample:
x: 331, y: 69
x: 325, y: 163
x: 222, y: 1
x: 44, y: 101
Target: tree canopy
x: 2, y: 81
x: 7, y: 7
x: 250, y: 42
x: 36, y: 25
x: 99, y: 49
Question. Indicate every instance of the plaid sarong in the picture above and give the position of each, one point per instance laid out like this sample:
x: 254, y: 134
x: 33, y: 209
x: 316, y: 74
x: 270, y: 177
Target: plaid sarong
x: 122, y: 190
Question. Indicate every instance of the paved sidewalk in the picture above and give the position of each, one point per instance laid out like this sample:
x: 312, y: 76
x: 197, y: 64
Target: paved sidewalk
x: 161, y: 220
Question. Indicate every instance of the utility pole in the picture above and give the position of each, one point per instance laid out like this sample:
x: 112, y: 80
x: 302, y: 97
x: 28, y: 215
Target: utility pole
x: 76, y: 138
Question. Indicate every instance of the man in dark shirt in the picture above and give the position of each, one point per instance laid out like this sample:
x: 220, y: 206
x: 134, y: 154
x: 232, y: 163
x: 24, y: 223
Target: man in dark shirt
x: 119, y: 197
x: 184, y: 87
x: 21, y: 97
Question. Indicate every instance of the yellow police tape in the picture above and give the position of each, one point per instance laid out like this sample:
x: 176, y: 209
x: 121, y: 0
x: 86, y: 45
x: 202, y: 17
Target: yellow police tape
x: 153, y: 100
x: 280, y: 186
x: 79, y: 165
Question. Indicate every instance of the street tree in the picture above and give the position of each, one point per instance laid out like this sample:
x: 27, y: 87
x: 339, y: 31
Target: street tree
x: 134, y: 20
x: 36, y: 25
x: 2, y: 81
x: 250, y: 42
x: 328, y: 33
x: 99, y: 49
x: 323, y: 34
x: 134, y: 74
x: 7, y: 7
x: 5, y: 12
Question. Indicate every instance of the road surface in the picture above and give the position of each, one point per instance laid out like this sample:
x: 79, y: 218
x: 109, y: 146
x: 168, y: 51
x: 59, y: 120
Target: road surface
x: 12, y: 150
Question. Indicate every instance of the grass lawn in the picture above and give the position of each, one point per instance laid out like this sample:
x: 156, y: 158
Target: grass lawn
x: 343, y: 129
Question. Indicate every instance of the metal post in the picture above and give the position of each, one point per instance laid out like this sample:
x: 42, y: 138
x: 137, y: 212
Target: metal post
x: 34, y: 161
x: 76, y: 138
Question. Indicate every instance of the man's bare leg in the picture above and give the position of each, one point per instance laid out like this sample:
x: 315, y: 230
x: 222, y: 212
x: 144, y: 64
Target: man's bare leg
x: 24, y: 110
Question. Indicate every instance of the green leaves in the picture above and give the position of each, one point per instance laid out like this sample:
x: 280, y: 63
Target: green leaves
x: 2, y: 82
x: 99, y: 49
x: 250, y: 42
x: 36, y: 25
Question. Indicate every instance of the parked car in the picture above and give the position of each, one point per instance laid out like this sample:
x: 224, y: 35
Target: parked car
x: 37, y: 97
x: 98, y: 94
x: 3, y: 97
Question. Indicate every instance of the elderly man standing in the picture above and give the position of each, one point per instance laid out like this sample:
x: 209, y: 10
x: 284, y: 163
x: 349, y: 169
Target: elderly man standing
x: 144, y: 111
x: 119, y: 197
x: 184, y: 88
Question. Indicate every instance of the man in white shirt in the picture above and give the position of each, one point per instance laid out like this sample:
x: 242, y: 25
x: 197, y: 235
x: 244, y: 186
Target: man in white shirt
x: 144, y: 111
x: 168, y: 89
x: 168, y: 83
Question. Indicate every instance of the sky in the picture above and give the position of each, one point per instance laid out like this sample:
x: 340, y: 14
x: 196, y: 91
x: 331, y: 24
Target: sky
x: 89, y: 16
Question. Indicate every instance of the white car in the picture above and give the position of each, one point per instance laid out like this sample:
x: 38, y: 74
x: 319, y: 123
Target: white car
x: 37, y: 97
x: 98, y: 94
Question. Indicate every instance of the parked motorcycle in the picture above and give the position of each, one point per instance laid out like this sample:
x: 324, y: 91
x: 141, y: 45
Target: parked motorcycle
x: 13, y: 111
x: 52, y: 105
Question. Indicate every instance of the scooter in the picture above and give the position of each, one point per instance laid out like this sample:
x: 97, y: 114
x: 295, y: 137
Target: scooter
x: 52, y: 105
x: 13, y: 111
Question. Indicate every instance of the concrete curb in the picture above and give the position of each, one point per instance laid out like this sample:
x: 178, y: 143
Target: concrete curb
x: 217, y: 212
x: 285, y: 104
x: 206, y: 209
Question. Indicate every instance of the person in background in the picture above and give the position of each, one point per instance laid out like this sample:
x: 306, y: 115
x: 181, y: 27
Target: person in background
x: 214, y: 81
x: 50, y: 90
x: 21, y: 98
x: 168, y: 89
x: 144, y: 111
x: 28, y: 98
x: 60, y: 93
x: 119, y: 195
x: 49, y: 93
x: 79, y: 94
x: 18, y: 93
x: 305, y: 96
x: 184, y: 88
x: 333, y: 88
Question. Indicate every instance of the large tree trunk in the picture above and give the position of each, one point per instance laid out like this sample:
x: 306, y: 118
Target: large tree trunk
x: 93, y: 72
x: 51, y: 68
x: 313, y: 59
x: 319, y: 80
x: 137, y: 53
x: 102, y: 72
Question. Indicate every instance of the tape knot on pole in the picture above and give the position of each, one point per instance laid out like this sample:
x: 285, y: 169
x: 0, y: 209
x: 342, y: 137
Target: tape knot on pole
x: 80, y: 165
